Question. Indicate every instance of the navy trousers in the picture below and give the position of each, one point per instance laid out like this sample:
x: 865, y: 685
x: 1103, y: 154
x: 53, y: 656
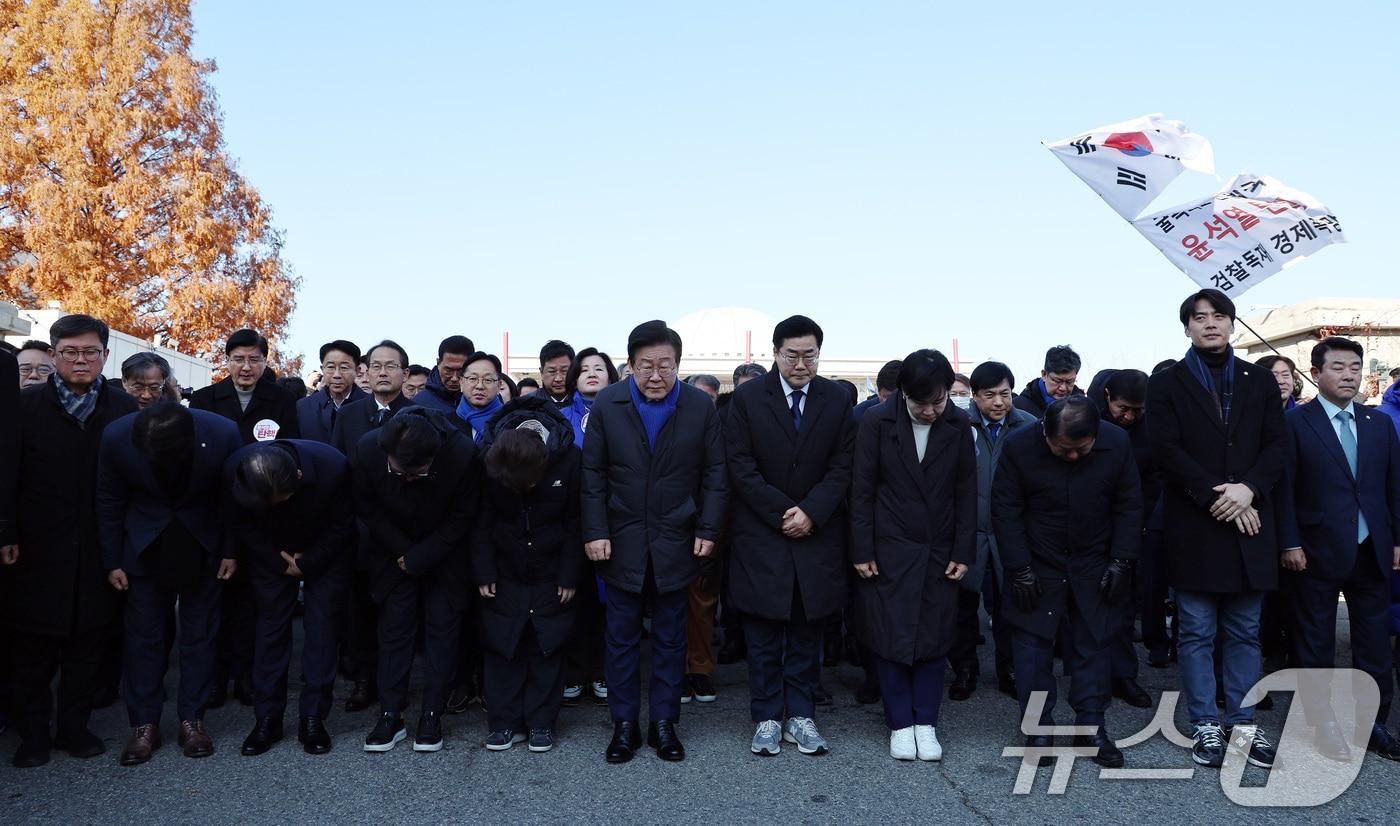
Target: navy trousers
x: 398, y: 631
x: 148, y: 607
x: 623, y: 665
x: 913, y: 694
x: 785, y: 658
x: 275, y: 598
x: 1086, y: 659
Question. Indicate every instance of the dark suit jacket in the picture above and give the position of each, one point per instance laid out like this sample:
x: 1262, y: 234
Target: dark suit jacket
x: 1066, y: 520
x: 317, y: 521
x: 9, y: 440
x: 58, y: 587
x: 269, y: 402
x: 1319, y: 498
x: 912, y: 518
x: 1195, y: 452
x: 652, y: 505
x: 426, y: 521
x: 316, y: 415
x: 773, y: 467
x: 358, y: 418
x: 133, y: 509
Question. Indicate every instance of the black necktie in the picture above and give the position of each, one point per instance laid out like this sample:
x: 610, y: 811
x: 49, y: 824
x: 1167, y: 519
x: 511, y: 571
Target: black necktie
x: 797, y: 410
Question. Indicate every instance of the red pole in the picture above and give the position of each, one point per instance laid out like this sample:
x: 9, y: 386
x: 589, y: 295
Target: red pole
x: 957, y: 362
x: 748, y: 346
x: 505, y: 352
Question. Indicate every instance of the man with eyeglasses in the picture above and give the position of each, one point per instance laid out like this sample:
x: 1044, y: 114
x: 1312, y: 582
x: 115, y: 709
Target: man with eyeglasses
x: 790, y: 439
x: 555, y: 359
x: 387, y: 363
x: 417, y: 482
x: 35, y: 363
x: 654, y: 488
x: 317, y: 413
x: 292, y: 516
x: 1056, y: 381
x: 146, y: 377
x: 480, y: 396
x: 263, y: 411
x: 443, y: 390
x: 54, y: 599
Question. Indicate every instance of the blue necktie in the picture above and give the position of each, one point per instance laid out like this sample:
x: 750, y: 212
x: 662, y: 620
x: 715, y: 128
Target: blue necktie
x: 1348, y: 440
x: 797, y: 410
x: 994, y: 430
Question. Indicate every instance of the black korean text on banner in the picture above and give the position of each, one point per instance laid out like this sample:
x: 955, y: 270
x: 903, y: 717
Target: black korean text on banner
x: 1252, y: 228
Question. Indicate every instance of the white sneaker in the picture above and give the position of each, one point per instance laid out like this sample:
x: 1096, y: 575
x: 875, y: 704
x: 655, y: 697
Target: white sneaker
x: 927, y: 741
x: 902, y: 746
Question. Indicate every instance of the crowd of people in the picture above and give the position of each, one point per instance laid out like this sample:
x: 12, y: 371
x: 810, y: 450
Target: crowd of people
x: 522, y: 539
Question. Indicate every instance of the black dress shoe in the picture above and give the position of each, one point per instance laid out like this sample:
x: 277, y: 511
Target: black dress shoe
x: 626, y: 739
x: 1383, y: 743
x: 1006, y: 684
x: 362, y: 696
x: 1131, y: 693
x: 964, y: 683
x: 218, y: 696
x: 662, y: 736
x: 313, y: 735
x: 1108, y: 754
x: 81, y: 743
x: 1040, y: 741
x: 732, y: 652
x: 265, y: 732
x: 1329, y: 742
x: 30, y: 755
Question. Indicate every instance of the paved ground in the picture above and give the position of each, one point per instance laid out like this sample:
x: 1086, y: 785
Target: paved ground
x: 720, y: 782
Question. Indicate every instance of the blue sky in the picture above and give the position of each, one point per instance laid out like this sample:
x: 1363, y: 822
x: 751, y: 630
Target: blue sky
x: 569, y: 169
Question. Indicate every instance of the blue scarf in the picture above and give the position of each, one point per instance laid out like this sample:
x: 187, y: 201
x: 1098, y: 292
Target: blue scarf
x: 654, y: 414
x: 1222, y: 395
x: 577, y: 414
x: 1290, y: 404
x: 79, y: 407
x: 477, y: 417
x: 1045, y: 394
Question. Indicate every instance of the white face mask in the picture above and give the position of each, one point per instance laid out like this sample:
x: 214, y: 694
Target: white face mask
x: 964, y: 402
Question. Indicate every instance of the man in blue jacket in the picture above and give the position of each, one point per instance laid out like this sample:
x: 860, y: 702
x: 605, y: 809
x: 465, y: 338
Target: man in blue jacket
x: 1340, y: 523
x: 159, y: 481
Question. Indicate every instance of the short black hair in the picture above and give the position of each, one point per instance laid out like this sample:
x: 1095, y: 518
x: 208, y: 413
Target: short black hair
x: 796, y: 326
x: 246, y: 338
x: 402, y: 353
x: 293, y: 385
x: 164, y: 433
x: 418, y: 370
x: 35, y: 344
x: 991, y: 374
x: 412, y: 440
x: 1220, y: 302
x: 77, y: 324
x: 652, y: 334
x: 475, y: 357
x: 1129, y: 386
x: 571, y: 378
x: 750, y: 370
x: 264, y: 473
x: 526, y: 382
x: 510, y: 385
x: 1319, y: 350
x: 888, y: 377
x: 924, y: 374
x: 1074, y: 417
x: 457, y: 346
x: 346, y: 347
x: 517, y: 459
x: 143, y: 361
x: 1162, y: 365
x: 704, y: 379
x: 553, y: 349
x: 1062, y: 359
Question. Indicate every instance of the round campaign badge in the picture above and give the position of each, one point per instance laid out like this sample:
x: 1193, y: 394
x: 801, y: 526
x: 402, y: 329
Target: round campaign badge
x: 265, y: 430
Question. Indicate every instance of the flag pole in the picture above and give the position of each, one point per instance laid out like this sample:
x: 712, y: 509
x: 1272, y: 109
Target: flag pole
x: 1266, y: 343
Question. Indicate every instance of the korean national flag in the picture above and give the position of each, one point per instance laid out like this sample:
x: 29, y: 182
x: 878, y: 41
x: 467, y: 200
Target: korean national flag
x: 1130, y: 163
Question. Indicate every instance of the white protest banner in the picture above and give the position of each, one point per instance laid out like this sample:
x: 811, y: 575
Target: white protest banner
x: 1249, y: 230
x: 1129, y: 164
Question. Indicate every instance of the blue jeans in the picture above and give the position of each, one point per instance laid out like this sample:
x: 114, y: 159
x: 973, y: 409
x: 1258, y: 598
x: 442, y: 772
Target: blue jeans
x: 1237, y: 616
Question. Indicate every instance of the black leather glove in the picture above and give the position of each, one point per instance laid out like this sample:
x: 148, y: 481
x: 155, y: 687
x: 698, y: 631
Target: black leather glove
x: 1025, y: 588
x: 1117, y: 582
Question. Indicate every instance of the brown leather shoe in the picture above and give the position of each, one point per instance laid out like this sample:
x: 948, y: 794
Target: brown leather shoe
x: 144, y: 740
x: 194, y: 740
